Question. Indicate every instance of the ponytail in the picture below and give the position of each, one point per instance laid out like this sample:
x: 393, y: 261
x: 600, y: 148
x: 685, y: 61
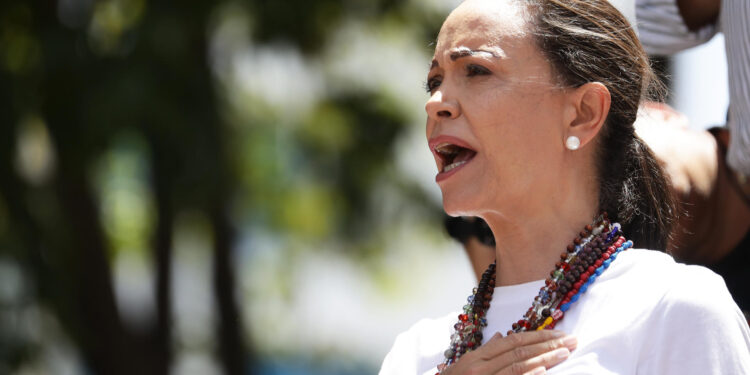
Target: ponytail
x: 640, y: 199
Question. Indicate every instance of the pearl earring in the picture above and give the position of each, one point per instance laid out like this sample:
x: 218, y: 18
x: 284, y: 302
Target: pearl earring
x: 572, y: 143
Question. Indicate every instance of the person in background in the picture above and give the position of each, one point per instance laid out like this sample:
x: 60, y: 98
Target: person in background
x: 709, y: 169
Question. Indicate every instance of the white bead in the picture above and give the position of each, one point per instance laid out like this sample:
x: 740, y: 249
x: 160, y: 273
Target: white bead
x: 572, y: 143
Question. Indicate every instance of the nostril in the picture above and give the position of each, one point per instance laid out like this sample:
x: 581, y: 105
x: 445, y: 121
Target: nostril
x: 444, y: 114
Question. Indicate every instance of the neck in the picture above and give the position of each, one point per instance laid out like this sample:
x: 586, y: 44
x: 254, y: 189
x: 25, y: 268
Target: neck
x: 528, y: 245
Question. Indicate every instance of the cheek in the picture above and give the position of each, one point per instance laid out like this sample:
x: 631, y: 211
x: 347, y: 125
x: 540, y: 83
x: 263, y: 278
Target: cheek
x: 520, y: 139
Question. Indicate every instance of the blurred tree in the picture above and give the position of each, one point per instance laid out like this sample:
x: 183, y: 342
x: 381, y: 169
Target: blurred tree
x: 91, y: 71
x: 120, y: 66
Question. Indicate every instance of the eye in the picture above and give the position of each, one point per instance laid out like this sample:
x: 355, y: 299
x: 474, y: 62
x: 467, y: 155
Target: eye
x: 432, y: 83
x: 476, y: 70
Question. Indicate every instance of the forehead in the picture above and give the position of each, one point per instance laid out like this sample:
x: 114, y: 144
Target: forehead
x: 482, y: 23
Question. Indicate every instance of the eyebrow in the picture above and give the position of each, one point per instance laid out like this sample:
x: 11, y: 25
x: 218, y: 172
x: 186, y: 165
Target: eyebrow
x: 465, y: 52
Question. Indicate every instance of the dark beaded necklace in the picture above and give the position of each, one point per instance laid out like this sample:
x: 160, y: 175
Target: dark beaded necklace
x: 590, y: 253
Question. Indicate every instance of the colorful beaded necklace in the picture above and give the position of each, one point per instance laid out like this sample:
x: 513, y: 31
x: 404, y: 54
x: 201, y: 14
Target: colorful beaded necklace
x: 584, y: 260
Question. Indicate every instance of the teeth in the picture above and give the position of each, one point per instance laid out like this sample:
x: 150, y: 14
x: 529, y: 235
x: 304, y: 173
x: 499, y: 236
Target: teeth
x: 446, y: 149
x: 454, y: 165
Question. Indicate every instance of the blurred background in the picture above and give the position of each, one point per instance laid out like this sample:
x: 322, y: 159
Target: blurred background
x: 230, y: 187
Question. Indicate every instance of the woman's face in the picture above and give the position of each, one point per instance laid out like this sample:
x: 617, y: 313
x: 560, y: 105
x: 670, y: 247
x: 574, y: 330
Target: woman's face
x: 495, y: 116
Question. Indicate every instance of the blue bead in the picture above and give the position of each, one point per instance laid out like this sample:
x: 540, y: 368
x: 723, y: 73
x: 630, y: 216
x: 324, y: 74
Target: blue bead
x: 584, y: 287
x: 575, y: 297
x: 565, y: 307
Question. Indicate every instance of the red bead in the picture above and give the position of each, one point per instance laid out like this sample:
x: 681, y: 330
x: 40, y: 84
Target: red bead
x: 591, y: 269
x: 598, y: 263
x: 585, y: 276
x: 557, y: 315
x: 589, y: 228
x: 577, y: 241
x: 605, y: 256
x: 463, y: 317
x: 578, y: 284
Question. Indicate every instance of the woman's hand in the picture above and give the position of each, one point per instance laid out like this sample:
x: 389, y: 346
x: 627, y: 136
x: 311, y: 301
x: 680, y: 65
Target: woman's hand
x: 525, y: 353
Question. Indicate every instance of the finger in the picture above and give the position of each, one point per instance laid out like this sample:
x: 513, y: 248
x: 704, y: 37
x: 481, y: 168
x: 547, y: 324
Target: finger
x: 522, y: 354
x: 546, y: 360
x: 498, y: 344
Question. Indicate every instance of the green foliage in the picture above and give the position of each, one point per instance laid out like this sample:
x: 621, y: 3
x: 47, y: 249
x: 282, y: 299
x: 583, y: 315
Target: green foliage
x: 127, y: 100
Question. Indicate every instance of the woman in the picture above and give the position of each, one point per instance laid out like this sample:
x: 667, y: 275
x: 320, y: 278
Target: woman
x: 530, y: 120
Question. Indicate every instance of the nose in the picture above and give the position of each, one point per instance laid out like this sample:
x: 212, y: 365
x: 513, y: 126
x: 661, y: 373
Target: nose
x: 441, y: 108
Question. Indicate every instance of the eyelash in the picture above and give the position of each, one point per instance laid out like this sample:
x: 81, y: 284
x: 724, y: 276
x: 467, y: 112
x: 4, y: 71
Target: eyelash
x: 431, y: 84
x: 476, y: 70
x: 471, y: 71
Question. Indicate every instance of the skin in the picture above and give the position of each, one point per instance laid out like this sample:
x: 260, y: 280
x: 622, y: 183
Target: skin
x: 699, y: 13
x: 503, y: 102
x: 491, y: 88
x: 716, y: 217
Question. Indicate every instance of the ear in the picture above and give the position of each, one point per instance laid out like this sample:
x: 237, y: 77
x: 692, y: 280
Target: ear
x: 588, y: 109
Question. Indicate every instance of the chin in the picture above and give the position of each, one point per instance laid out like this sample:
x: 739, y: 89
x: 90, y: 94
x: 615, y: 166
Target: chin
x: 459, y: 205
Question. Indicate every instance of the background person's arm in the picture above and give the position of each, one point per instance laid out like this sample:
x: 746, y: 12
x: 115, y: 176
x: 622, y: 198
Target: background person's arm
x: 699, y: 13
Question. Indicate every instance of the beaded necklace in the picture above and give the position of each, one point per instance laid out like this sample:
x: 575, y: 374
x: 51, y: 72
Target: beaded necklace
x: 590, y: 253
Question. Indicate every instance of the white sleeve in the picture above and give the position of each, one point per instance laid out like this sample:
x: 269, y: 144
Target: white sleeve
x: 697, y: 329
x: 400, y: 360
x: 419, y: 350
x: 662, y: 30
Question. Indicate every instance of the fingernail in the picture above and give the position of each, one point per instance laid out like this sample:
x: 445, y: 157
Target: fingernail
x: 562, y: 353
x: 570, y: 342
x: 538, y: 371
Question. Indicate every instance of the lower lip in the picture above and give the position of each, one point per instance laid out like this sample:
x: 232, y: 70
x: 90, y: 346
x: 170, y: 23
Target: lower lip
x: 444, y: 175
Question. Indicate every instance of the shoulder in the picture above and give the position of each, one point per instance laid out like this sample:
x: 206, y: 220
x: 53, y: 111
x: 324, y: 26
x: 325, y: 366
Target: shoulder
x: 675, y: 286
x: 419, y: 348
x: 679, y: 285
x: 693, y: 324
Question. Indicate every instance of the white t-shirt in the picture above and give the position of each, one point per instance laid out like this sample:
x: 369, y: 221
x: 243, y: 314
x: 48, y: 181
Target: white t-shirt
x: 645, y: 314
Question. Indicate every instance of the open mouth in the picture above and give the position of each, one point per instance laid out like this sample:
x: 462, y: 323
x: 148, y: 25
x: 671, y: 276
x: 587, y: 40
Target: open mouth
x: 453, y: 156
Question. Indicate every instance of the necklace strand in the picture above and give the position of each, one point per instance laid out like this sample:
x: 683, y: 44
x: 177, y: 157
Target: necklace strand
x: 590, y: 253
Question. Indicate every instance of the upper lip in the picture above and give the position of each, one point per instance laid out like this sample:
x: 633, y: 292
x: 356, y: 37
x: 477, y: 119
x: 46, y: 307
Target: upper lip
x: 441, y: 140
